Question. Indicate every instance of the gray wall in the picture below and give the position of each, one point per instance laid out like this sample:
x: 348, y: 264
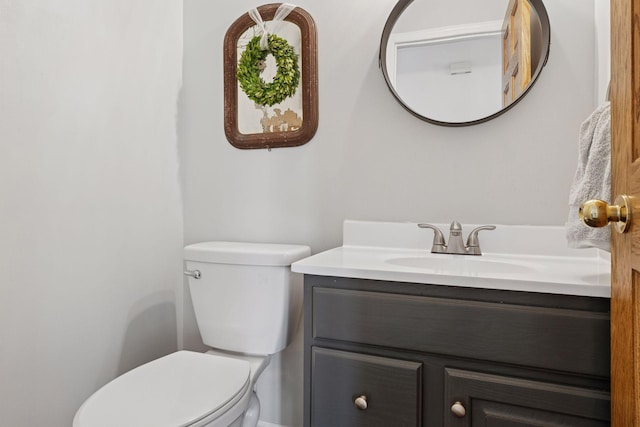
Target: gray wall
x: 370, y: 159
x: 90, y: 207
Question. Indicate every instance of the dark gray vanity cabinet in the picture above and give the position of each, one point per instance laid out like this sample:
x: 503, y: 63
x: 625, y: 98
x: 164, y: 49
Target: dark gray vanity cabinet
x: 395, y: 354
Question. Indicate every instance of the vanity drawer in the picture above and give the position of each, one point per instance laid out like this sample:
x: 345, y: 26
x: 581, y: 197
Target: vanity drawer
x: 391, y: 388
x: 542, y: 337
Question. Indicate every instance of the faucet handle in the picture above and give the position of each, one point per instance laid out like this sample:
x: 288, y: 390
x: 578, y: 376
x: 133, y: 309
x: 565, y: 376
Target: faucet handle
x: 473, y: 244
x: 439, y: 245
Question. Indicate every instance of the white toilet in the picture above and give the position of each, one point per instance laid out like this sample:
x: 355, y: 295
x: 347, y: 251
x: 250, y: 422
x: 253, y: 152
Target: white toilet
x: 247, y: 304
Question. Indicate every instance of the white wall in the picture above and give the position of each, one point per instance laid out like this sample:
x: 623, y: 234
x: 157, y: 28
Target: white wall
x: 603, y: 48
x: 90, y: 209
x: 370, y: 159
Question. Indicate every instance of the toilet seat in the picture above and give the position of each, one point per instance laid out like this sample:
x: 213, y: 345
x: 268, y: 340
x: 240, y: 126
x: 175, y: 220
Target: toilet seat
x: 179, y: 390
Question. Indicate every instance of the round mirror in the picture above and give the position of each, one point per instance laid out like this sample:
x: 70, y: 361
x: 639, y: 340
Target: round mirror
x: 464, y: 62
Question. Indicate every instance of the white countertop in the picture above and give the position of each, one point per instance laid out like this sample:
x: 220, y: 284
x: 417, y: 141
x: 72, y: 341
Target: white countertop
x: 549, y: 267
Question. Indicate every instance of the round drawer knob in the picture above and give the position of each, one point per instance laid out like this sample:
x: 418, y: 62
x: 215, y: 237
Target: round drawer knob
x: 361, y: 402
x: 458, y: 410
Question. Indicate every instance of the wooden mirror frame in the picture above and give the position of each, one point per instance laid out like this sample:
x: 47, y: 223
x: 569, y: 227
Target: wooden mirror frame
x: 308, y: 85
x: 395, y: 14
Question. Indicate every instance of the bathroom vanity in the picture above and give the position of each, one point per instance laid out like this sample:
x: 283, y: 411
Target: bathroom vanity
x: 508, y: 340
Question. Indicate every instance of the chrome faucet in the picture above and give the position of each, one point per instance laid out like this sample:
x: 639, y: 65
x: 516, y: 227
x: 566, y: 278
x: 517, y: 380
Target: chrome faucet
x: 456, y: 243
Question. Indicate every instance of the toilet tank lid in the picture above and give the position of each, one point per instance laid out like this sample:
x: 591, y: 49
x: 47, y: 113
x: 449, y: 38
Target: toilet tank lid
x: 246, y: 253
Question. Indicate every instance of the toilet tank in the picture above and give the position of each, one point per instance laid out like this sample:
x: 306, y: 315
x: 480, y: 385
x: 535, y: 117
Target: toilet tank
x: 247, y: 299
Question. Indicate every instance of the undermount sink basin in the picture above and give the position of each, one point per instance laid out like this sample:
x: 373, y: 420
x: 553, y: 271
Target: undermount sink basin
x: 463, y: 264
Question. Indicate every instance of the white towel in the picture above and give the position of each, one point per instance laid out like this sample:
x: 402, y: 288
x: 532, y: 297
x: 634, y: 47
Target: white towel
x: 592, y: 179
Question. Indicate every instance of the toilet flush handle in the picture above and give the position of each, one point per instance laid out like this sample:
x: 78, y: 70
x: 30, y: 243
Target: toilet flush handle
x: 195, y: 274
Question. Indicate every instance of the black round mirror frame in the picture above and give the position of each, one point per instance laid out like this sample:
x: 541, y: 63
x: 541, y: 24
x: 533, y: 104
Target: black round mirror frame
x: 395, y: 14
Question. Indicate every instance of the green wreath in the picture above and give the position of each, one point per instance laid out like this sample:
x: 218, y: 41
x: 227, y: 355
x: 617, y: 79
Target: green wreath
x: 251, y: 64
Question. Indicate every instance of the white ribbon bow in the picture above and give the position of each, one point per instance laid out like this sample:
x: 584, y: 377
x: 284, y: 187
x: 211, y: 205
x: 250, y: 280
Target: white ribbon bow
x: 282, y: 12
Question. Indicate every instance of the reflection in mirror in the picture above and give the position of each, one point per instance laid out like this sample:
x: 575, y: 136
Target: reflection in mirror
x: 464, y: 65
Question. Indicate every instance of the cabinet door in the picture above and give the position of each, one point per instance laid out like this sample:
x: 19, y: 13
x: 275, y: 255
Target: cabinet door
x: 389, y: 391
x: 475, y: 399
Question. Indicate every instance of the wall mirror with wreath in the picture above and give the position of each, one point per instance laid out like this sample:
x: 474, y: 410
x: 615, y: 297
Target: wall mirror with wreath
x: 271, y: 78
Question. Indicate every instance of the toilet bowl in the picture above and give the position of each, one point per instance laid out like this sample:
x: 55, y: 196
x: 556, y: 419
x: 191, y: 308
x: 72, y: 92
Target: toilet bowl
x: 247, y: 304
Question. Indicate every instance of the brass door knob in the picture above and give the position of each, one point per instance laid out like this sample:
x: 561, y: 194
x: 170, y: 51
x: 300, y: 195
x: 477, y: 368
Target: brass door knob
x: 361, y: 402
x: 458, y: 410
x: 597, y: 213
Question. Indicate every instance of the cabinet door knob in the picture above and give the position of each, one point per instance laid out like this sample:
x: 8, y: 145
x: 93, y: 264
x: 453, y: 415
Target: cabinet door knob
x: 458, y: 410
x: 361, y: 402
